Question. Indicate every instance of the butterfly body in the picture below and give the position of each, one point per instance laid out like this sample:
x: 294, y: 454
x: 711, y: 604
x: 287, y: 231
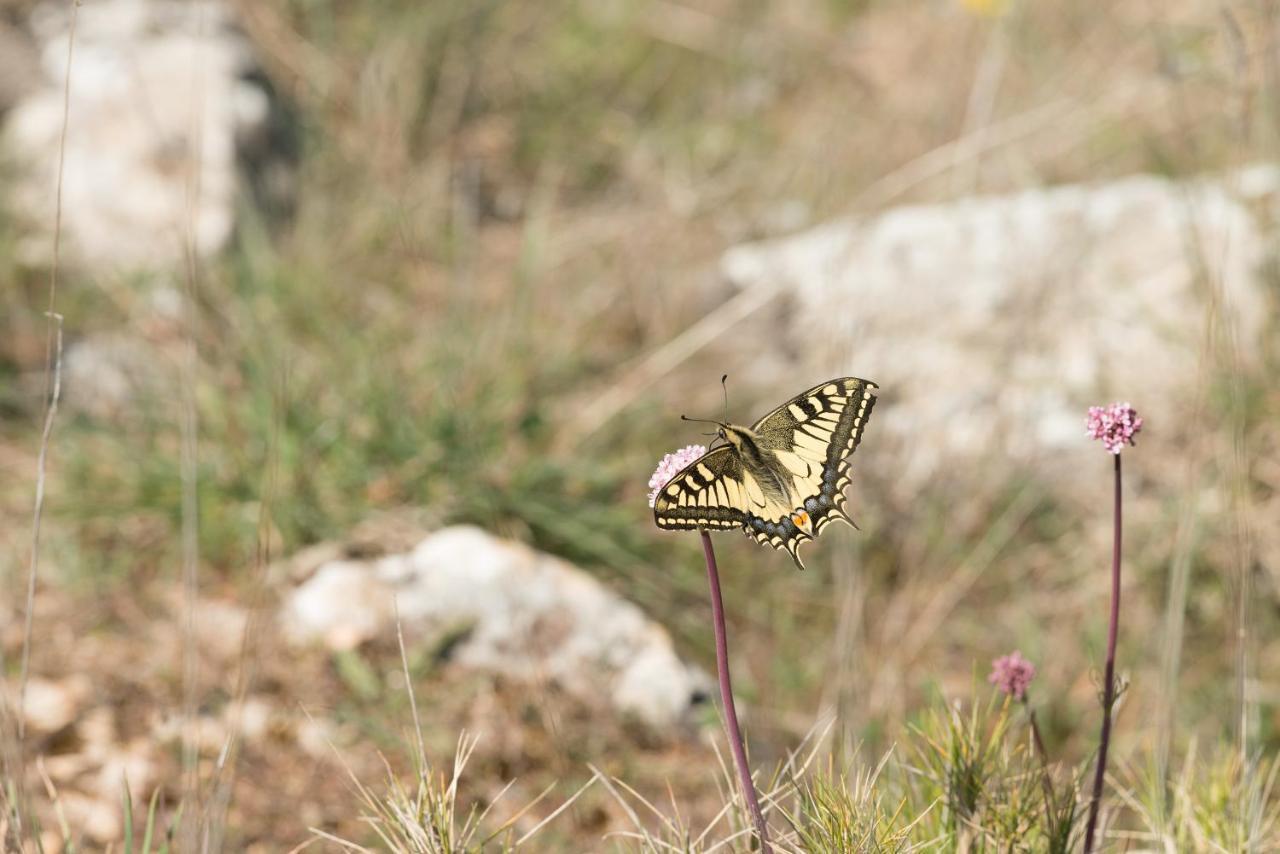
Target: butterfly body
x: 776, y: 481
x: 782, y: 479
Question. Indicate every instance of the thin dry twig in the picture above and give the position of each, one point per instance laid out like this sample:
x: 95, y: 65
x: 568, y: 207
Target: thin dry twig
x: 52, y: 392
x: 643, y: 374
x: 51, y: 410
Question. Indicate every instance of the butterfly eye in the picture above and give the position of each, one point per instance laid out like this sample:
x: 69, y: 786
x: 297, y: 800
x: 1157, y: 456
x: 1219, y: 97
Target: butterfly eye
x: 721, y: 432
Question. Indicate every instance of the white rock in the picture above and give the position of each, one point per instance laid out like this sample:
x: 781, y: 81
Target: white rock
x: 158, y: 102
x: 342, y: 605
x: 96, y: 818
x: 50, y: 706
x: 317, y: 737
x: 992, y: 323
x: 530, y: 616
x: 106, y: 373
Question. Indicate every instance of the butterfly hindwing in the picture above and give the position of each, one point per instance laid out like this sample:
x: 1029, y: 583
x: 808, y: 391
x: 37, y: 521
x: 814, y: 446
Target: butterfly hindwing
x: 781, y: 534
x: 710, y: 492
x: 812, y: 436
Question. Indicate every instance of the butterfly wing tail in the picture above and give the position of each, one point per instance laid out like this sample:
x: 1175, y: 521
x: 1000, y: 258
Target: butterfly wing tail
x: 790, y: 542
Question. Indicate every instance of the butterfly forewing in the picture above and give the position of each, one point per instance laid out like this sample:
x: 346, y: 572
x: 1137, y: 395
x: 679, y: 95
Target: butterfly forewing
x: 708, y: 493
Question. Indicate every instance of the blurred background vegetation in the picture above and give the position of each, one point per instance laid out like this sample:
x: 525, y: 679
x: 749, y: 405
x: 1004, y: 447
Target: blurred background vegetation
x: 493, y: 212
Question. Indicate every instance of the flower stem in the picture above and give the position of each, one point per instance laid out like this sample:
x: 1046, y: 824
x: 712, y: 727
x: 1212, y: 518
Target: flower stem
x: 1109, y: 685
x: 726, y: 697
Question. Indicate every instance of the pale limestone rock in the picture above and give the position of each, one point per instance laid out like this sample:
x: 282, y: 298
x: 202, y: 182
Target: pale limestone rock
x: 342, y: 605
x: 524, y: 614
x: 53, y: 705
x: 160, y: 102
x: 317, y: 737
x: 991, y: 323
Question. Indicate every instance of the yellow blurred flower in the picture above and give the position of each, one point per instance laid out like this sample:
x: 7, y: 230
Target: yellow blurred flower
x: 990, y: 8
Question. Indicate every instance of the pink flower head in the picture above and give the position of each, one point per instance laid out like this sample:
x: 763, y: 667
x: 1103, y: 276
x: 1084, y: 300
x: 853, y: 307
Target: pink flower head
x: 670, y: 466
x: 1012, y: 674
x: 1114, y: 425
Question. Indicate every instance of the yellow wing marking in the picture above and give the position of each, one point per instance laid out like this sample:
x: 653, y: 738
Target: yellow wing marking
x: 809, y: 446
x: 794, y: 463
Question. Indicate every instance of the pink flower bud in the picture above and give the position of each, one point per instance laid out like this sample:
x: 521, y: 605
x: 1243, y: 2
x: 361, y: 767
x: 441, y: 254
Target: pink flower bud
x: 670, y: 466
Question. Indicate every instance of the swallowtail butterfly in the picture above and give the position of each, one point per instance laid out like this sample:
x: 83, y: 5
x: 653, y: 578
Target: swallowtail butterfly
x: 782, y: 479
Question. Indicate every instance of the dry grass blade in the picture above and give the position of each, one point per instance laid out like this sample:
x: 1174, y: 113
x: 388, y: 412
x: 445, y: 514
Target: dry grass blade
x: 194, y: 831
x: 33, y: 570
x: 418, y: 744
x: 53, y: 388
x: 554, y: 813
x: 51, y: 791
x: 425, y: 819
x: 637, y: 378
x: 642, y: 832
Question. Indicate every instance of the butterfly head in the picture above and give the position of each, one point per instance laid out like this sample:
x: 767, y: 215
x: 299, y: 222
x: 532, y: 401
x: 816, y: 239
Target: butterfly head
x: 737, y: 436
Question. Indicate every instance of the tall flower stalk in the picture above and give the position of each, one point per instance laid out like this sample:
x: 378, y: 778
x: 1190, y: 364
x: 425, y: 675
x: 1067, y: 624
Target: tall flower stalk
x: 736, y: 743
x: 1115, y: 426
x: 670, y: 466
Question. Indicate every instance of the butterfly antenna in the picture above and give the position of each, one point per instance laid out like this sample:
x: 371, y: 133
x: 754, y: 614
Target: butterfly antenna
x: 725, y: 388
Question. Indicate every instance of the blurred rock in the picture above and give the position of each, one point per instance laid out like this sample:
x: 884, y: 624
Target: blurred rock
x: 251, y: 720
x: 95, y: 818
x: 992, y: 322
x: 317, y: 737
x: 53, y: 705
x: 514, y: 611
x: 343, y: 605
x: 104, y: 374
x: 91, y: 778
x: 220, y: 630
x: 162, y: 104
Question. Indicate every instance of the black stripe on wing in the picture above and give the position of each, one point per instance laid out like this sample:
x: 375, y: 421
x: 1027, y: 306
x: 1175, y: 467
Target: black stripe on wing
x: 697, y: 496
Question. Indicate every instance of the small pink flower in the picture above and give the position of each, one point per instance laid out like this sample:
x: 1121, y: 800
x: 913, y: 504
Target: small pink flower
x: 1114, y: 425
x: 670, y: 466
x: 1012, y: 674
